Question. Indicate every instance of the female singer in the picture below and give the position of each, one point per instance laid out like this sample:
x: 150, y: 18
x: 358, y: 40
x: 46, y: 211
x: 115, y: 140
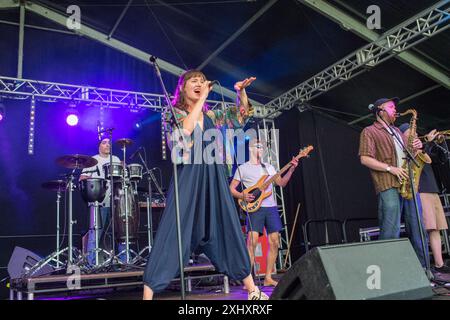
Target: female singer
x: 208, y: 216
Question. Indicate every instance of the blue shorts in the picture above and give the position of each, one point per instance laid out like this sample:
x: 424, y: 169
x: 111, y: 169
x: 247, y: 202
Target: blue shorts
x: 265, y: 217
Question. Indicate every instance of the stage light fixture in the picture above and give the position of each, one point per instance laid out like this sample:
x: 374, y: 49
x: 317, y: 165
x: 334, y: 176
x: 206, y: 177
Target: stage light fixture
x: 2, y: 111
x: 72, y: 119
x: 163, y: 135
x: 32, y: 126
x: 72, y: 116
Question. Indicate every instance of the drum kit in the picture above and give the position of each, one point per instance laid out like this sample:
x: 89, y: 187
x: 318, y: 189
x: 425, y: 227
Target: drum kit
x: 94, y: 191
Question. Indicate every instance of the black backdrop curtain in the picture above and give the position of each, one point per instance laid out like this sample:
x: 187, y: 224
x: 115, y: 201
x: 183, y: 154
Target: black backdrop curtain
x: 331, y: 183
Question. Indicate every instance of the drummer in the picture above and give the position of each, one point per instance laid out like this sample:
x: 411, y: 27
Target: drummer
x: 104, y: 150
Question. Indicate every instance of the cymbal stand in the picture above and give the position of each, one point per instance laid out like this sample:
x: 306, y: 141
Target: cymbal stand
x: 58, y: 201
x: 69, y: 250
x: 127, y: 211
x: 71, y: 221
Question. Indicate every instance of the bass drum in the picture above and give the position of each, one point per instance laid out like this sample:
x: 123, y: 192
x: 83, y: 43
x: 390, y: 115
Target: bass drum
x: 120, y: 215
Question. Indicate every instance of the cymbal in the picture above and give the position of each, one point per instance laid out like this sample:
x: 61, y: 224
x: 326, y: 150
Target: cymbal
x: 124, y: 142
x: 76, y: 161
x: 54, y: 185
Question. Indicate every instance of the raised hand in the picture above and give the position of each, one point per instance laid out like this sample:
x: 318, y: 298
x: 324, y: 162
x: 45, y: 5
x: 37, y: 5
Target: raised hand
x: 241, y: 85
x: 432, y: 135
x: 205, y: 89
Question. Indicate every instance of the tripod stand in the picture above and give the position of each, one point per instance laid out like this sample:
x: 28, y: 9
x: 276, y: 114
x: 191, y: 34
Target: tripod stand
x: 69, y: 251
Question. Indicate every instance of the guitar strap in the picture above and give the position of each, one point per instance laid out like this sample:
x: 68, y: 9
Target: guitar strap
x: 264, y: 168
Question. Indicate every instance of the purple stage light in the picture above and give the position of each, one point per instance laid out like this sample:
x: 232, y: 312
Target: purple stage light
x: 1, y: 117
x: 72, y: 120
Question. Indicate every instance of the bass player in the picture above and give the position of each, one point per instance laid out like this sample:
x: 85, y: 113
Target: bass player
x: 267, y: 216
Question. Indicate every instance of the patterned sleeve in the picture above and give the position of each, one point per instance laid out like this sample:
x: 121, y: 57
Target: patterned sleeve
x: 366, y: 144
x: 169, y: 122
x: 233, y: 117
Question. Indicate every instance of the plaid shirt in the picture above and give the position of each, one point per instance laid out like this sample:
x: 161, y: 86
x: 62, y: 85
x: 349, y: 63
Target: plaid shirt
x: 376, y: 142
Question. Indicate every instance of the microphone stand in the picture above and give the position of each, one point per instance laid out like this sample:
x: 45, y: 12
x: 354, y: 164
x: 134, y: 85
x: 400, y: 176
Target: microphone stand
x: 410, y: 159
x: 175, y: 177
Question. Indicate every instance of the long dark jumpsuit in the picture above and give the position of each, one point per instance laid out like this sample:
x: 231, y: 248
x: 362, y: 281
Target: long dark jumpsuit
x: 209, y: 224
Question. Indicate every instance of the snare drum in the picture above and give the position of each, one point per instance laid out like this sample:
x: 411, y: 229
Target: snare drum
x: 135, y: 171
x: 93, y: 189
x: 116, y: 170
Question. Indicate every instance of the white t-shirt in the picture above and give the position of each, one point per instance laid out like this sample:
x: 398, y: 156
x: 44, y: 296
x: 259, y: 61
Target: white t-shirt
x: 398, y: 148
x: 101, y: 161
x: 251, y: 173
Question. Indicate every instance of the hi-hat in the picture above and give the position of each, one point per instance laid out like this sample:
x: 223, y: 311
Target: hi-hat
x: 124, y: 142
x: 54, y: 185
x: 76, y: 161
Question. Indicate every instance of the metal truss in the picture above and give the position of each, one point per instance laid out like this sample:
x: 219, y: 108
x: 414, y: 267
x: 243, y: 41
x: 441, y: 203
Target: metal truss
x: 421, y: 27
x: 53, y: 92
x: 107, y: 40
x: 268, y: 133
x: 435, y: 70
x: 14, y: 88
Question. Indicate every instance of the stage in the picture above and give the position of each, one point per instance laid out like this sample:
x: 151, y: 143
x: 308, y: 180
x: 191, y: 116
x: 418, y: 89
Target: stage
x: 207, y: 293
x: 92, y: 179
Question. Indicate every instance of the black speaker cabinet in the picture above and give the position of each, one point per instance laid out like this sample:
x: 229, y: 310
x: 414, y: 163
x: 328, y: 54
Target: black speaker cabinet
x: 387, y: 269
x: 22, y: 260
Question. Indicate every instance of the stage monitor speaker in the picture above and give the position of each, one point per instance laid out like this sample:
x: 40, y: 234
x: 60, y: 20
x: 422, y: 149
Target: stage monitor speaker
x: 386, y: 269
x: 23, y: 260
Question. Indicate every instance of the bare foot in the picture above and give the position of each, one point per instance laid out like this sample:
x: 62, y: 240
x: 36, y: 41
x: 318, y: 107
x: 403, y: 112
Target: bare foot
x: 270, y: 282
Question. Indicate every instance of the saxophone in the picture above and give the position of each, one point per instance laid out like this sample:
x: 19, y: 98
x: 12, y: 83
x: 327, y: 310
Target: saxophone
x: 420, y: 157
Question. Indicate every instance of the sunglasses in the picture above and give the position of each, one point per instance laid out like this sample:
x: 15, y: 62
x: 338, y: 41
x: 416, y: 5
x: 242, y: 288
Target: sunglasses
x: 258, y: 146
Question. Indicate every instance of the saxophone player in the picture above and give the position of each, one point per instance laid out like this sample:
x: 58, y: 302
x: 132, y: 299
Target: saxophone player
x: 432, y: 210
x: 381, y: 152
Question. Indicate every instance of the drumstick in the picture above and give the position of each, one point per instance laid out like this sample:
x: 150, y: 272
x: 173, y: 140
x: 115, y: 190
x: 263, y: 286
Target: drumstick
x: 292, y: 236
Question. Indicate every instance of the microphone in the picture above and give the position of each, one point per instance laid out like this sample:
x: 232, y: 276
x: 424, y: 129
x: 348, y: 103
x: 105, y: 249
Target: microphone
x: 135, y: 153
x: 372, y: 108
